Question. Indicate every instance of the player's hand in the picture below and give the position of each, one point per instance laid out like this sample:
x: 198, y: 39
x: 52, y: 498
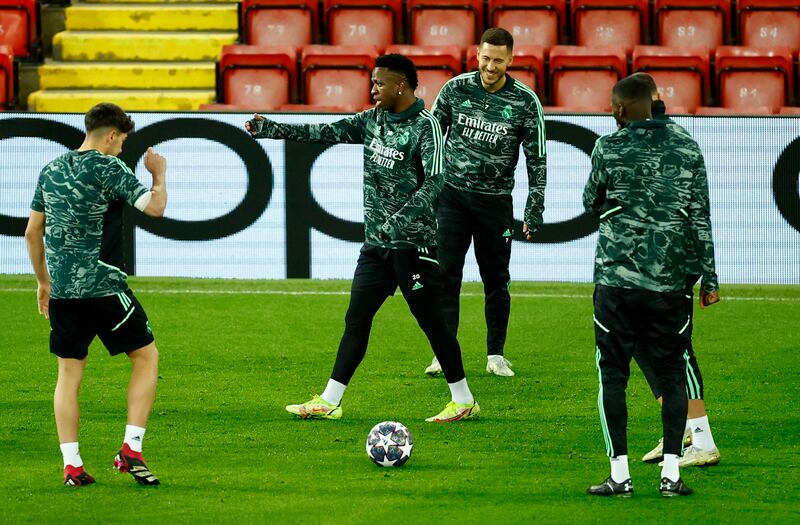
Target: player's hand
x: 527, y: 232
x: 708, y: 298
x: 43, y: 299
x: 255, y: 125
x: 155, y: 163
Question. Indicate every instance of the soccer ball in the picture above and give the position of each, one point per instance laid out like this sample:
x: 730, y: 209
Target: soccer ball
x: 389, y: 444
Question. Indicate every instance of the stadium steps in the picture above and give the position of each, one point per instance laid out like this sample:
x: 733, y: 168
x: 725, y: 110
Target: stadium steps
x: 143, y: 56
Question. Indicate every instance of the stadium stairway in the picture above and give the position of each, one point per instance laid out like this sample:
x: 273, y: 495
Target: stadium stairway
x: 145, y: 56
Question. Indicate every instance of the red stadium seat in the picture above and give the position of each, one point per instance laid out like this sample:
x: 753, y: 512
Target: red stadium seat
x: 6, y: 77
x: 769, y: 23
x: 598, y: 23
x: 263, y: 76
x: 311, y: 108
x: 363, y: 22
x: 19, y: 26
x: 435, y: 66
x: 582, y: 77
x: 713, y: 111
x: 445, y: 22
x: 527, y: 66
x: 338, y: 75
x: 681, y: 74
x: 531, y: 22
x: 692, y: 23
x: 750, y: 77
x: 789, y: 110
x: 280, y: 22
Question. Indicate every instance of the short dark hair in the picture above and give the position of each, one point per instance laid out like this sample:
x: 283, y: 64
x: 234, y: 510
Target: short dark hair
x: 497, y: 36
x: 107, y: 115
x: 633, y: 89
x: 649, y: 79
x: 401, y: 65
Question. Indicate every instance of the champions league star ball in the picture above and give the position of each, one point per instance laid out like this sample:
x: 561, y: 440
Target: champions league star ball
x: 389, y: 444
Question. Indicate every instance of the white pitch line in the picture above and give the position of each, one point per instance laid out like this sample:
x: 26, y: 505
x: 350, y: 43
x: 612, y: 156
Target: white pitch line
x: 168, y: 291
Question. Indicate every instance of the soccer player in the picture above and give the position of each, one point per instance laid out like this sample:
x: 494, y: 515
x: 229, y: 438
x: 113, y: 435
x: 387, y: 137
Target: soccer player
x: 703, y: 449
x: 402, y: 177
x: 648, y: 186
x: 488, y: 114
x: 77, y: 214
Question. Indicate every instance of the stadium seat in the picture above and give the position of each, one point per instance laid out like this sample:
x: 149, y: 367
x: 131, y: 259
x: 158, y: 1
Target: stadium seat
x: 750, y: 77
x: 527, y: 66
x: 363, y: 22
x: 582, y: 77
x: 681, y: 74
x: 435, y: 66
x: 531, y: 22
x: 714, y: 111
x: 19, y: 27
x: 311, y: 108
x: 769, y: 23
x: 280, y: 22
x: 598, y: 23
x: 263, y: 76
x: 692, y: 23
x: 338, y: 75
x: 789, y: 110
x: 6, y: 77
x: 445, y: 22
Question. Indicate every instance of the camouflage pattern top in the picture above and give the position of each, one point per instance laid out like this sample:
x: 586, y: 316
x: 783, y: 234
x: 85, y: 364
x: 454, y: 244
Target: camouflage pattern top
x: 81, y: 194
x: 485, y: 133
x: 402, y: 169
x: 649, y: 187
x: 659, y: 111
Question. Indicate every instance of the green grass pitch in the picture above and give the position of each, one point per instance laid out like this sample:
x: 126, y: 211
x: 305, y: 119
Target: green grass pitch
x: 233, y: 353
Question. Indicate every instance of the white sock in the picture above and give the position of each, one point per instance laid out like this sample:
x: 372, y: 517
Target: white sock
x: 460, y: 392
x: 670, y: 468
x: 701, y: 433
x: 71, y: 454
x: 333, y: 392
x: 134, y: 436
x: 619, y: 469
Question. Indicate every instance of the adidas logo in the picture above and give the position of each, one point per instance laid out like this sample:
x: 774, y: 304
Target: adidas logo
x: 507, y: 233
x: 466, y: 104
x: 697, y: 430
x: 417, y: 286
x: 136, y: 438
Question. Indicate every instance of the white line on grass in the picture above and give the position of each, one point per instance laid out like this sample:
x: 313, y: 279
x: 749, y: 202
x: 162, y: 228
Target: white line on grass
x: 170, y: 291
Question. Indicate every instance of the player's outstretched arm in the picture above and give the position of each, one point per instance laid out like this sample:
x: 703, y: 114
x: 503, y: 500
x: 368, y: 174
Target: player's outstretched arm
x: 34, y: 240
x: 157, y: 166
x: 349, y: 130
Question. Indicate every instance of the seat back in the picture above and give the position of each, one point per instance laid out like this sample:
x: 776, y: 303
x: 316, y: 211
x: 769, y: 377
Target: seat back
x: 681, y: 74
x: 363, y: 22
x: 435, y: 66
x: 445, y: 22
x: 692, y: 23
x: 280, y: 22
x: 6, y: 77
x: 600, y: 23
x: 531, y: 22
x: 582, y: 77
x: 527, y: 65
x: 769, y: 23
x: 264, y: 76
x: 338, y: 75
x: 749, y: 77
x: 19, y: 26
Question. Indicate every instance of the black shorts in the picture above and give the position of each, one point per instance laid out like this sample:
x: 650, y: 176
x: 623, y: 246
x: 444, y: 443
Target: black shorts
x: 119, y: 320
x: 414, y: 270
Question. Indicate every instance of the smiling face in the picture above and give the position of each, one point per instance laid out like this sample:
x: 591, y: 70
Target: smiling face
x: 492, y: 63
x: 387, y: 86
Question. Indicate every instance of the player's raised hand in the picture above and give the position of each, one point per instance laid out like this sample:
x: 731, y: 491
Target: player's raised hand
x: 708, y: 298
x: 155, y: 163
x: 255, y: 125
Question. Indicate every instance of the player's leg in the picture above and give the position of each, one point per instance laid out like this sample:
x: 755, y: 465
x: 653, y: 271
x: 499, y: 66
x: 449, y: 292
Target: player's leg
x: 495, y: 217
x: 70, y: 336
x: 372, y: 284
x: 126, y: 330
x: 453, y: 239
x: 615, y: 336
x: 666, y: 338
x: 417, y: 273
